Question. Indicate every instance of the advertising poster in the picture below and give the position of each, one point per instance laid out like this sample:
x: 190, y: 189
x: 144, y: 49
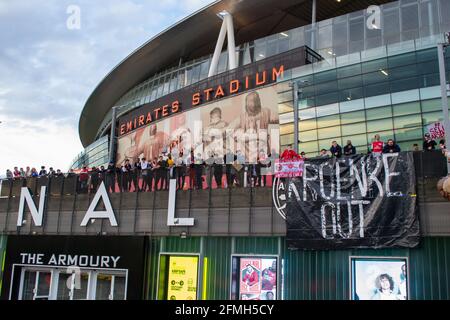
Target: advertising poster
x: 182, y: 278
x: 258, y: 279
x: 247, y: 123
x: 379, y: 279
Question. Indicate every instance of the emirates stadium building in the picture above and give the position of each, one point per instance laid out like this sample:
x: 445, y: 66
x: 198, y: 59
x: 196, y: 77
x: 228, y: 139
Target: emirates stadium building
x: 210, y: 103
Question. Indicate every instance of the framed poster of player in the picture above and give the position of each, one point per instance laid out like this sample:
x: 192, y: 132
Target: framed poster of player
x: 254, y: 277
x: 379, y: 278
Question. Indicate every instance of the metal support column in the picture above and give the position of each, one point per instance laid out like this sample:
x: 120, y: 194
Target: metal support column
x: 295, y: 105
x: 443, y: 79
x: 313, y: 24
x: 112, y: 139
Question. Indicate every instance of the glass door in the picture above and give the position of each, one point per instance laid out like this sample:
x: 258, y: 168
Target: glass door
x: 73, y: 286
x: 110, y: 287
x: 36, y: 285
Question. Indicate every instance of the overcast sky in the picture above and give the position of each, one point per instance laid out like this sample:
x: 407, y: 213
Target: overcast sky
x: 47, y: 70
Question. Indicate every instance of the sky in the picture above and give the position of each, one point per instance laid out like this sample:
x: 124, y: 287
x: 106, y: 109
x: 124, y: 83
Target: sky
x: 53, y: 53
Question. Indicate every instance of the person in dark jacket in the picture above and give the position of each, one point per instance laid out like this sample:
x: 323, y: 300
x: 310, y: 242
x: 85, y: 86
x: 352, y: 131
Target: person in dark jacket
x: 349, y: 149
x: 110, y: 177
x: 428, y: 143
x: 95, y: 178
x: 391, y: 147
x: 336, y: 150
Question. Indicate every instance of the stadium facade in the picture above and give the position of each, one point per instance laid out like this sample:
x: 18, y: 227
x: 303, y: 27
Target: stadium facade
x: 320, y: 71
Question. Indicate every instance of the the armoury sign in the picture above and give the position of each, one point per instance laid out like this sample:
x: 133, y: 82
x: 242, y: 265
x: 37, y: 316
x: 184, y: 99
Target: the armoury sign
x: 353, y: 202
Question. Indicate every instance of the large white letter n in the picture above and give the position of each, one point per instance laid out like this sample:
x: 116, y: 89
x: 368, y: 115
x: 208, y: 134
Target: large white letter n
x: 108, y: 213
x: 37, y: 216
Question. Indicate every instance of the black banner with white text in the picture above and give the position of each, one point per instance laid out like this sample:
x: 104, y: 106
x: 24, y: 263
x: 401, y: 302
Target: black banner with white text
x: 362, y: 201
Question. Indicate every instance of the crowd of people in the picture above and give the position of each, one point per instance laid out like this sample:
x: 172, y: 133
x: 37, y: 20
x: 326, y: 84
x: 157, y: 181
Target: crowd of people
x: 194, y: 172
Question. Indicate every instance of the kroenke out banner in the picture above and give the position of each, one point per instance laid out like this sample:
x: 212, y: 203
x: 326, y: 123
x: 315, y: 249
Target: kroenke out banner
x: 363, y: 201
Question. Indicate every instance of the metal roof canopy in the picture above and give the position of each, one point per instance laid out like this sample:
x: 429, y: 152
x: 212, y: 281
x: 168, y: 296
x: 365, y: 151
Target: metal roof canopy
x: 196, y: 36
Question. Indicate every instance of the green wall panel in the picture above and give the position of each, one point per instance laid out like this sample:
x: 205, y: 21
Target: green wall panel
x: 308, y: 275
x: 2, y: 255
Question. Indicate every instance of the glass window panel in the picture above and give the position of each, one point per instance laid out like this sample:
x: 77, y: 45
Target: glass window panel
x: 63, y: 291
x: 260, y: 50
x: 271, y: 49
x: 404, y: 84
x: 431, y: 117
x: 325, y: 76
x: 391, y: 26
x: 431, y: 105
x: 356, y: 139
x: 307, y: 125
x: 287, y: 139
x: 381, y: 75
x: 405, y: 96
x: 356, y: 34
x: 350, y: 82
x: 328, y: 122
x: 351, y: 105
x: 374, y: 65
x: 340, y: 37
x: 327, y: 99
x: 308, y: 136
x: 429, y: 80
x: 378, y: 125
x: 427, y: 67
x: 306, y: 103
x: 402, y: 72
x: 428, y: 55
x: 325, y: 37
x: 286, y: 117
x: 351, y: 94
x: 402, y: 60
x: 329, y: 132
x: 379, y: 113
x: 377, y: 89
x: 307, y: 114
x: 378, y: 101
x: 407, y: 121
x: 81, y: 293
x: 349, y: 71
x: 285, y: 96
x: 285, y: 107
x: 119, y: 288
x: 327, y: 87
x: 103, y: 287
x: 327, y: 110
x: 410, y: 22
x: 353, y: 117
x: 287, y: 128
x: 353, y: 128
x: 29, y: 283
x: 408, y: 134
x: 308, y: 147
x: 406, y: 108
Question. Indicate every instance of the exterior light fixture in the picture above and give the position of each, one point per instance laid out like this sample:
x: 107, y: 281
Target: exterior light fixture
x: 183, y: 235
x: 222, y: 14
x: 284, y: 34
x: 384, y: 72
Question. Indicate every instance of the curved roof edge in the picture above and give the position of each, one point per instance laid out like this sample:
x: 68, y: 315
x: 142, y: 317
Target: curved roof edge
x: 193, y: 37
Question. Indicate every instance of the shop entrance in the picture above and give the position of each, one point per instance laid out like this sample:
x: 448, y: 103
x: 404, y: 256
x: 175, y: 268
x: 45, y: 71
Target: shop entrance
x: 70, y: 283
x: 36, y: 285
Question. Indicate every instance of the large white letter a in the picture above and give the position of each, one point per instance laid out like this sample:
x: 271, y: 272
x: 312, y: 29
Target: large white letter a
x: 108, y: 213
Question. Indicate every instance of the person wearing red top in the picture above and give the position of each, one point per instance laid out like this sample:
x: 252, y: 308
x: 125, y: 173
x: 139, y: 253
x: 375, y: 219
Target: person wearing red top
x: 251, y: 276
x: 289, y: 155
x: 377, y: 145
